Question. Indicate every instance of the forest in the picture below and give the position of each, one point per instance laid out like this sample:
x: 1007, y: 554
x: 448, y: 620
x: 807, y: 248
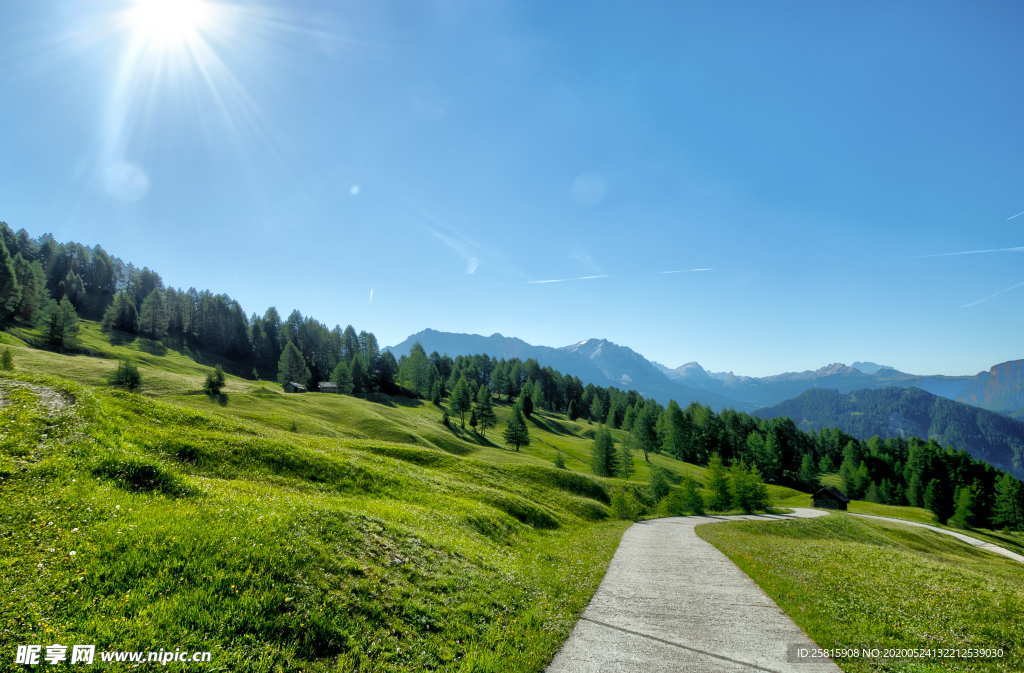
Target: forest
x: 48, y: 284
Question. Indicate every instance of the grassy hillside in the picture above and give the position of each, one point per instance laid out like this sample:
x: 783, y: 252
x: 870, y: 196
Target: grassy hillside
x: 853, y: 583
x: 288, y: 532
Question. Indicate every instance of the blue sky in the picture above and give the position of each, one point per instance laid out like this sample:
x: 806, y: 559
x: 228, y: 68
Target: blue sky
x: 809, y: 156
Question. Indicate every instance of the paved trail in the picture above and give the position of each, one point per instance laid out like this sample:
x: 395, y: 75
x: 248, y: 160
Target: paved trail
x: 974, y: 542
x: 672, y: 603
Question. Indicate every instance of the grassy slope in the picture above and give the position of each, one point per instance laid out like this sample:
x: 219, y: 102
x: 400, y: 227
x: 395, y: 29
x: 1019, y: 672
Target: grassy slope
x: 851, y: 582
x: 372, y: 538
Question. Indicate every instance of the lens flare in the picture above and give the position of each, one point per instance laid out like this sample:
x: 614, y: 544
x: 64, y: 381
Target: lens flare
x: 168, y: 23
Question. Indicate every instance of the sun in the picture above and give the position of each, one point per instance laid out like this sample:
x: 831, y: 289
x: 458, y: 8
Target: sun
x: 168, y: 23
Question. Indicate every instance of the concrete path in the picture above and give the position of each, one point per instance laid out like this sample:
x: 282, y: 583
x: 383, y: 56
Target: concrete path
x: 672, y: 603
x: 974, y: 542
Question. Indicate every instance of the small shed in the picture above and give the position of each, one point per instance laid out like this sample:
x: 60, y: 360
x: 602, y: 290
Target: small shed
x: 830, y: 498
x: 327, y: 387
x: 293, y: 387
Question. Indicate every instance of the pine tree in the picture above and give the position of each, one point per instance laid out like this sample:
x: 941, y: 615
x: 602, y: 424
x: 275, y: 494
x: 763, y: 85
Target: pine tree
x: 214, y: 382
x: 677, y: 431
x: 718, y: 484
x: 1008, y: 508
x: 660, y: 485
x: 7, y: 362
x: 572, y: 411
x: 597, y: 410
x: 872, y: 494
x: 153, y: 316
x: 461, y: 399
x: 121, y: 314
x: 692, y: 499
x: 808, y: 475
x: 964, y: 507
x: 436, y: 394
x: 360, y: 380
x: 32, y: 279
x: 10, y: 289
x: 624, y: 462
x: 341, y: 375
x: 292, y: 366
x: 126, y: 376
x: 603, y: 454
x: 516, y: 433
x: 525, y: 400
x: 61, y: 325
x: 937, y: 499
x: 644, y: 433
x: 484, y: 410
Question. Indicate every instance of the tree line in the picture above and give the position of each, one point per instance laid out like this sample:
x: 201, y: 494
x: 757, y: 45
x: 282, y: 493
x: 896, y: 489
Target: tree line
x: 50, y: 284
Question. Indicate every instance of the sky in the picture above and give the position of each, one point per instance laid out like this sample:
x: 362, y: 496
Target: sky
x: 760, y: 187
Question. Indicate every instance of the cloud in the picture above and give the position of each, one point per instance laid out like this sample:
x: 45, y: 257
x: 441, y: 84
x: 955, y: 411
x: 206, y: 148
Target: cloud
x: 993, y: 295
x: 566, y: 280
x: 370, y: 301
x: 697, y: 270
x: 1014, y: 217
x: 461, y: 246
x: 589, y: 189
x: 1018, y: 248
x: 354, y: 190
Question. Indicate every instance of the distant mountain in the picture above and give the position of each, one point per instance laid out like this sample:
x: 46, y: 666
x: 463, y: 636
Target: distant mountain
x: 596, y: 361
x: 1000, y: 389
x: 602, y: 362
x: 910, y: 412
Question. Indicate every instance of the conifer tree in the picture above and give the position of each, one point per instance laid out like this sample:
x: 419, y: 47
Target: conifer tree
x: 644, y: 434
x: 808, y: 475
x: 624, y: 462
x: 153, y: 316
x: 7, y: 362
x: 10, y: 289
x: 693, y: 502
x: 32, y: 279
x: 341, y: 375
x: 660, y: 484
x: 597, y: 411
x: 360, y: 380
x: 292, y: 366
x: 718, y: 484
x: 120, y: 314
x: 61, y: 325
x: 516, y: 433
x: 214, y: 382
x: 603, y: 454
x: 484, y: 410
x: 461, y: 399
x: 1008, y: 508
x: 964, y: 507
x: 937, y: 499
x: 525, y: 400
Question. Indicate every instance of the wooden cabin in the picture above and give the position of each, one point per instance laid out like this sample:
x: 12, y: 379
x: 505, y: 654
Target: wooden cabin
x: 293, y: 387
x: 830, y: 498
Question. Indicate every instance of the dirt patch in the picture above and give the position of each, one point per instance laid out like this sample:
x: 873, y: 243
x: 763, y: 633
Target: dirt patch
x: 50, y: 399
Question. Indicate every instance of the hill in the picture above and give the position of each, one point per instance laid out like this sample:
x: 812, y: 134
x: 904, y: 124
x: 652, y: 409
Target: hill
x: 910, y: 412
x: 289, y: 532
x: 596, y: 361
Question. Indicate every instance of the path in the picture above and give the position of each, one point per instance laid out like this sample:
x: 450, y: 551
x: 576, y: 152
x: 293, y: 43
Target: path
x: 672, y: 603
x: 974, y: 542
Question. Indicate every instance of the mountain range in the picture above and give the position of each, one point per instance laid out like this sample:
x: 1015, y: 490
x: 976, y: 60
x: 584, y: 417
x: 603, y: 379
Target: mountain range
x: 601, y: 362
x: 910, y: 412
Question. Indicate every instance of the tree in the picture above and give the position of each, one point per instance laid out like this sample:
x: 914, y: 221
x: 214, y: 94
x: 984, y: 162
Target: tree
x: 214, y: 382
x: 807, y: 475
x: 461, y: 399
x: 624, y: 462
x: 10, y: 289
x: 964, y: 507
x: 597, y: 410
x: 292, y: 366
x: 414, y: 371
x: 718, y: 484
x: 936, y: 499
x: 437, y: 393
x: 559, y: 461
x: 360, y: 380
x: 660, y: 485
x: 7, y: 362
x: 572, y: 411
x: 644, y: 433
x: 121, y: 314
x: 32, y: 279
x: 525, y: 400
x: 126, y: 376
x: 624, y: 505
x: 1008, y: 508
x: 678, y: 429
x: 153, y: 316
x: 748, y: 490
x: 603, y: 453
x: 342, y: 377
x: 692, y: 499
x: 516, y: 433
x: 61, y: 325
x: 484, y: 411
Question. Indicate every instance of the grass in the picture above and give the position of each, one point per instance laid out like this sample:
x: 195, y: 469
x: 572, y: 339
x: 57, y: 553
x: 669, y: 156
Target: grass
x: 289, y: 532
x: 853, y: 583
